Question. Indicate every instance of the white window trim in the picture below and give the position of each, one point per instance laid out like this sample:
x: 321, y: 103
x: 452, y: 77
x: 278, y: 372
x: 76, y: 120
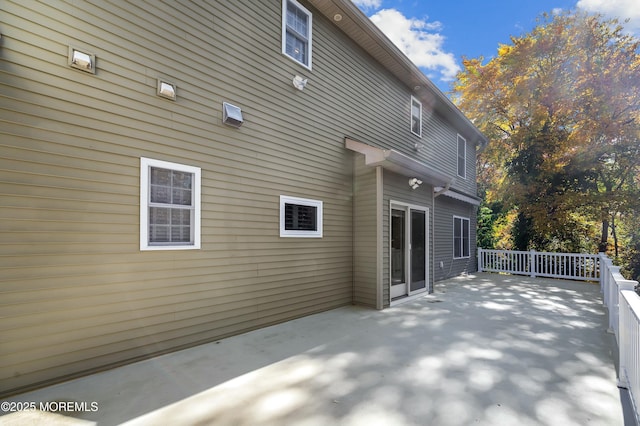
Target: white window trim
x: 454, y: 237
x: 414, y: 99
x: 284, y: 32
x: 145, y: 165
x: 287, y: 233
x: 464, y: 155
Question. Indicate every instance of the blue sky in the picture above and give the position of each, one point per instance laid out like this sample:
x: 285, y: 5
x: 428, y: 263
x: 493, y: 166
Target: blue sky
x: 435, y: 34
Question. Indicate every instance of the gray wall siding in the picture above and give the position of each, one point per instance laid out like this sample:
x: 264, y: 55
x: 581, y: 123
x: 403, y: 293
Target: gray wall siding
x: 440, y: 150
x: 396, y: 188
x: 365, y: 230
x: 445, y: 209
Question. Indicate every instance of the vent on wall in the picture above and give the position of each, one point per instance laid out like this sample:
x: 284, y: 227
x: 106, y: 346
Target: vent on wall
x: 82, y: 60
x: 231, y: 115
x: 166, y: 90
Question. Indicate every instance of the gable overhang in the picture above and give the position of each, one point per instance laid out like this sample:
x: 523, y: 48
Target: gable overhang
x: 399, y: 163
x: 358, y: 27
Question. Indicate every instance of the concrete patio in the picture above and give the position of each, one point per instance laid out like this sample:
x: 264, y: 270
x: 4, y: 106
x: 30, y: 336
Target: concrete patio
x: 483, y: 350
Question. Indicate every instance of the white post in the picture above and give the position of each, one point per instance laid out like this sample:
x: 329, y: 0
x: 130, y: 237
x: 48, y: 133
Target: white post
x: 532, y: 263
x: 480, y: 262
x: 602, y: 270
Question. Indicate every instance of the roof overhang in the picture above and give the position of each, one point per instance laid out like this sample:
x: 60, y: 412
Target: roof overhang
x: 456, y: 195
x: 357, y: 26
x: 398, y: 162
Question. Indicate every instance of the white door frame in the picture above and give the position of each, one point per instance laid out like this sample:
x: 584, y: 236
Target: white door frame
x: 406, y: 290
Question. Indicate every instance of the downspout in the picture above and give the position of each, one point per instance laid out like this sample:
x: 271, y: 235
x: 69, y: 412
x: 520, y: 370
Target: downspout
x: 432, y: 243
x: 443, y: 190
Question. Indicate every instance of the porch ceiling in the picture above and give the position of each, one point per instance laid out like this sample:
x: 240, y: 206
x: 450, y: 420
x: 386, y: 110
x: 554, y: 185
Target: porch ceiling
x: 400, y: 163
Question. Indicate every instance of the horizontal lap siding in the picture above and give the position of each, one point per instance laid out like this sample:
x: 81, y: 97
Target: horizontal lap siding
x: 76, y: 294
x: 365, y: 228
x: 445, y: 209
x: 396, y: 188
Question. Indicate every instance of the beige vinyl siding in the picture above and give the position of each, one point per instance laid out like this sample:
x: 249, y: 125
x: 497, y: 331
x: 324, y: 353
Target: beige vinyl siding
x: 76, y: 293
x: 396, y: 188
x: 445, y: 209
x: 365, y: 233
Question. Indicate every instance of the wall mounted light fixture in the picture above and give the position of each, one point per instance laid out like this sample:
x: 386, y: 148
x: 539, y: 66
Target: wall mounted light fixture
x: 231, y: 115
x: 81, y: 60
x: 166, y: 90
x: 414, y: 183
x: 299, y: 82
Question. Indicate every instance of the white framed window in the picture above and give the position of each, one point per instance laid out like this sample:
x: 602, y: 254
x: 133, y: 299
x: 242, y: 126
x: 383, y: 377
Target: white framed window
x: 169, y: 205
x: 461, y: 237
x: 462, y: 157
x: 300, y: 217
x: 416, y: 117
x: 296, y: 32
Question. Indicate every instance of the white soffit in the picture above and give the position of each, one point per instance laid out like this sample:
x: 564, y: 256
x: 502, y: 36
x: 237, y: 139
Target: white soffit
x: 398, y: 162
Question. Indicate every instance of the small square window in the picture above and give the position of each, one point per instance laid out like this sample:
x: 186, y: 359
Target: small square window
x: 169, y: 206
x: 296, y: 32
x: 300, y: 217
x: 416, y: 117
x: 462, y: 157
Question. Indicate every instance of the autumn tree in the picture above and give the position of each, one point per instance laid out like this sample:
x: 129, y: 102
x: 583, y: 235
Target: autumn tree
x: 561, y: 108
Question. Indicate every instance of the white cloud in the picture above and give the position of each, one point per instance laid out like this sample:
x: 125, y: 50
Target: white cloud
x: 368, y: 4
x: 621, y: 9
x: 417, y: 39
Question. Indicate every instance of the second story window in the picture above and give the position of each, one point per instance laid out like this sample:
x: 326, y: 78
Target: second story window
x: 296, y: 32
x: 416, y: 117
x: 462, y: 157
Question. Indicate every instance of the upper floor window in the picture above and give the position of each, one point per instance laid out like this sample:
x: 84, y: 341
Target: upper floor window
x: 300, y: 217
x: 416, y: 117
x: 462, y: 157
x: 296, y: 32
x: 169, y: 205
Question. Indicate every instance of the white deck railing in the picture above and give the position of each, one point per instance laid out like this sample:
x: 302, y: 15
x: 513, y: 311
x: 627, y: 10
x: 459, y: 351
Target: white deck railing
x: 622, y: 302
x: 573, y: 266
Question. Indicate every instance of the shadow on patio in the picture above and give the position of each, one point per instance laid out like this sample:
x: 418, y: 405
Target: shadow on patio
x: 486, y: 349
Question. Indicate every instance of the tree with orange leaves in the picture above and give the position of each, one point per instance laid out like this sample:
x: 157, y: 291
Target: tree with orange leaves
x: 561, y: 108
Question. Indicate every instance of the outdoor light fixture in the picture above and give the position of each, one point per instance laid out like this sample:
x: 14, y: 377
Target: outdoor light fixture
x: 299, y: 82
x: 231, y: 115
x: 81, y: 60
x: 414, y: 183
x: 166, y: 90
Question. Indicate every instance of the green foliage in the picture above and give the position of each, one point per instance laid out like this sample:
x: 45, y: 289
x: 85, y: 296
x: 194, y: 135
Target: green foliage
x: 485, y: 235
x: 561, y: 108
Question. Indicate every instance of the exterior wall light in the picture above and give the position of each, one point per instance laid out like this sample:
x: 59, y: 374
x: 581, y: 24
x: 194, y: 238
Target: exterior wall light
x: 82, y: 60
x: 166, y: 90
x: 414, y: 183
x: 231, y: 115
x: 299, y: 82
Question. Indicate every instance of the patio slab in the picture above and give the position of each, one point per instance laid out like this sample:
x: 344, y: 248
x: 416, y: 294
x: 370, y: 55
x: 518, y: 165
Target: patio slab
x: 485, y: 349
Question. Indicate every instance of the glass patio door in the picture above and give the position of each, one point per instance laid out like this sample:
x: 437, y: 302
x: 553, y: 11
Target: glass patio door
x: 418, y: 251
x: 408, y: 250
